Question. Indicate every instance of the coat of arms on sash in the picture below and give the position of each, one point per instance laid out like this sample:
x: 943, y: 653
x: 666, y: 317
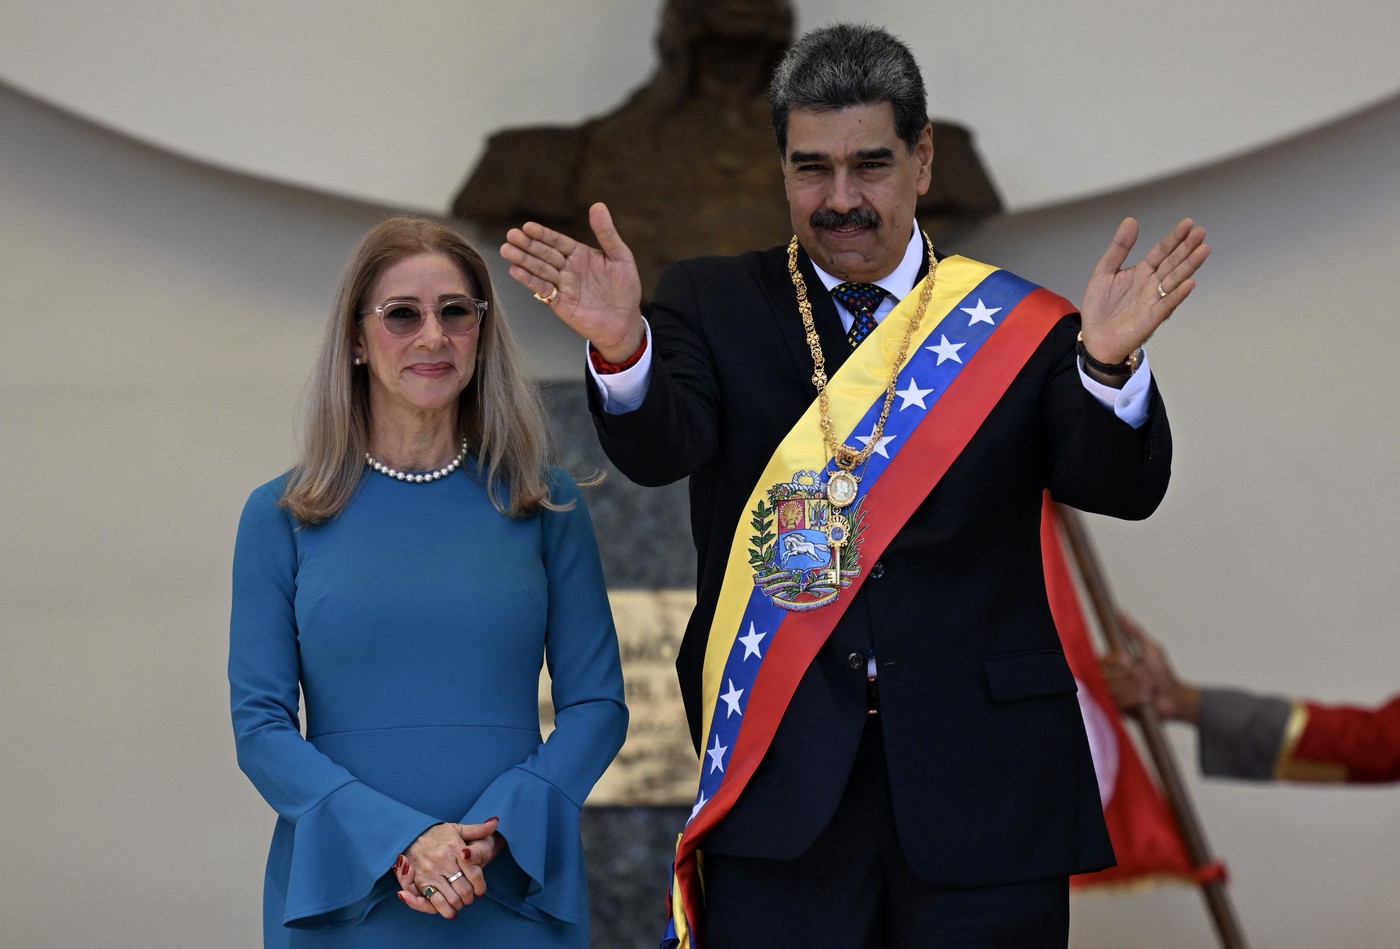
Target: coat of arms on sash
x: 804, y: 549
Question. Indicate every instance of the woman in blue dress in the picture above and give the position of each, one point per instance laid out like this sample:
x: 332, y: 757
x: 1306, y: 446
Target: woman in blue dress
x: 407, y: 579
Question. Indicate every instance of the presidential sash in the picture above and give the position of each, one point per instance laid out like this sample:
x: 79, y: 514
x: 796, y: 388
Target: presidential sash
x: 799, y: 552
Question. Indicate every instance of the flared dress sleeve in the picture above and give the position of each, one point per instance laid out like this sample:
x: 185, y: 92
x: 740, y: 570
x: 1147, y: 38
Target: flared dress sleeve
x: 346, y: 835
x: 541, y: 872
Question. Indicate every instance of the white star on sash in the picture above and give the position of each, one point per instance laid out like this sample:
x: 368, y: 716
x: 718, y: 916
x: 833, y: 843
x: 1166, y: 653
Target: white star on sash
x: 946, y: 350
x: 717, y: 756
x: 880, y: 446
x: 731, y: 699
x: 913, y: 395
x: 700, y: 802
x: 751, y: 642
x: 980, y: 313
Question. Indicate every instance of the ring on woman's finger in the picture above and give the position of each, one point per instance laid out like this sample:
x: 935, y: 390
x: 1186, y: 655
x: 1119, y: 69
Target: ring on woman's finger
x: 428, y: 892
x: 455, y: 877
x: 547, y: 300
x: 1160, y: 292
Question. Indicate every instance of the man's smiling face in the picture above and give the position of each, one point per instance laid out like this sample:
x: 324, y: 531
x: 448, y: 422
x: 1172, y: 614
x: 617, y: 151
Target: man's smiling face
x: 851, y: 186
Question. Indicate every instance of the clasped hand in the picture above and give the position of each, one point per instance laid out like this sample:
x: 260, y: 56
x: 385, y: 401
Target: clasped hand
x: 442, y: 871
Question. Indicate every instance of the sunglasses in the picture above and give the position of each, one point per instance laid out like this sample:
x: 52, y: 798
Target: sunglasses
x: 456, y: 315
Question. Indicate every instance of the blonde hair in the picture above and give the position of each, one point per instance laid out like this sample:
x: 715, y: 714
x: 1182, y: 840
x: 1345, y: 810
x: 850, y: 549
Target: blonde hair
x: 500, y: 411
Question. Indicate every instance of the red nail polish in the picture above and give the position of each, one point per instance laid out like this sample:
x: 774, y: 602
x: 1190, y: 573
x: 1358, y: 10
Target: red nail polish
x: 466, y: 853
x: 403, y: 899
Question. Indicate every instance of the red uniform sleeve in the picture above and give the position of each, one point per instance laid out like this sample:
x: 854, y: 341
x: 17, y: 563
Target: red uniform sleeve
x: 1345, y: 743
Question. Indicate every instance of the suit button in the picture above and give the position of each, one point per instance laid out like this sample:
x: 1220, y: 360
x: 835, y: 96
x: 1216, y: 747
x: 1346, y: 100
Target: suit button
x: 877, y: 570
x: 855, y: 660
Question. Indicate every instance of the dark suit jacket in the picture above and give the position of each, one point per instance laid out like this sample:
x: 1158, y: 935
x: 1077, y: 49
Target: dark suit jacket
x: 990, y: 771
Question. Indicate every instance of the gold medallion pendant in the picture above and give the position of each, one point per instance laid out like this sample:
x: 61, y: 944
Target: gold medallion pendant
x: 841, y: 488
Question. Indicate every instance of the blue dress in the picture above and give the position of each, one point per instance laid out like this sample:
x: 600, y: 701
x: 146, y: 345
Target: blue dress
x: 414, y: 625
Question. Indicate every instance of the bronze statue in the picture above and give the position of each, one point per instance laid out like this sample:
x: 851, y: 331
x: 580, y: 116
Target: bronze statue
x: 688, y: 164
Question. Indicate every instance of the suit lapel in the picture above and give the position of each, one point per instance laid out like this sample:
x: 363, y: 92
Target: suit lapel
x: 778, y: 291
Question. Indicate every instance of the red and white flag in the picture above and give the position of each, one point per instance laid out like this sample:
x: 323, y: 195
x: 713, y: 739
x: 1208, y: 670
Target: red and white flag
x: 1145, y: 837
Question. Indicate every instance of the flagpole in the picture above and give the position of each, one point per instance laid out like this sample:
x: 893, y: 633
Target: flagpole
x: 1222, y: 913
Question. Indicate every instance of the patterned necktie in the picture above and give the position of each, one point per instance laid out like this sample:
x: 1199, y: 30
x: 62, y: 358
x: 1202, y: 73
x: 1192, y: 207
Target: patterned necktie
x: 861, y: 299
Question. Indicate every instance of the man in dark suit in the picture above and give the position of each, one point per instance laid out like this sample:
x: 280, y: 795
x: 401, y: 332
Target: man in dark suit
x: 929, y: 783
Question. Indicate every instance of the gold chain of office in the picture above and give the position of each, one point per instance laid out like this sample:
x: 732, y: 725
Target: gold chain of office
x: 841, y: 487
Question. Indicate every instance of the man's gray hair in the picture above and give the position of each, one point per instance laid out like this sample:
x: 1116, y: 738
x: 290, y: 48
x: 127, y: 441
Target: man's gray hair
x: 849, y: 64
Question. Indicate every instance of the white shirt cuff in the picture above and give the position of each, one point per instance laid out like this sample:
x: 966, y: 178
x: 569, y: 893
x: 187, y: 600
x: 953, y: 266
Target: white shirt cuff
x: 1129, y: 403
x: 624, y: 391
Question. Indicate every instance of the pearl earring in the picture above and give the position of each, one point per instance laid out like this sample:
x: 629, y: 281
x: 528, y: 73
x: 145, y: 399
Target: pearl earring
x: 358, y: 362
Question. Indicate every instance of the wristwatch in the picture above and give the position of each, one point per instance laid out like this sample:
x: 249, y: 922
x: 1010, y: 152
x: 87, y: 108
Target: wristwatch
x: 1125, y: 368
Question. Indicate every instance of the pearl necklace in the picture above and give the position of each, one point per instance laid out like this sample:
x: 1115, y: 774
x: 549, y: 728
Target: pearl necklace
x: 419, y: 478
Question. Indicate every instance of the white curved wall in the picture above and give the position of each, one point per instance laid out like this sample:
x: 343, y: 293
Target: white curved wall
x: 392, y: 103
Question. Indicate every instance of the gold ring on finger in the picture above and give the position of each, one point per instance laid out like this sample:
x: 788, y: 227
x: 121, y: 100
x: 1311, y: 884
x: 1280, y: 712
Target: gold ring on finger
x: 547, y: 300
x: 429, y: 892
x: 1161, y: 293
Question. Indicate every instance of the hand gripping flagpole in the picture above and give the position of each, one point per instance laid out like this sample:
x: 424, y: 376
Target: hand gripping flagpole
x: 1222, y: 913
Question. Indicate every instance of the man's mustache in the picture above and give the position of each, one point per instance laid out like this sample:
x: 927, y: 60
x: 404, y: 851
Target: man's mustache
x: 857, y: 217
